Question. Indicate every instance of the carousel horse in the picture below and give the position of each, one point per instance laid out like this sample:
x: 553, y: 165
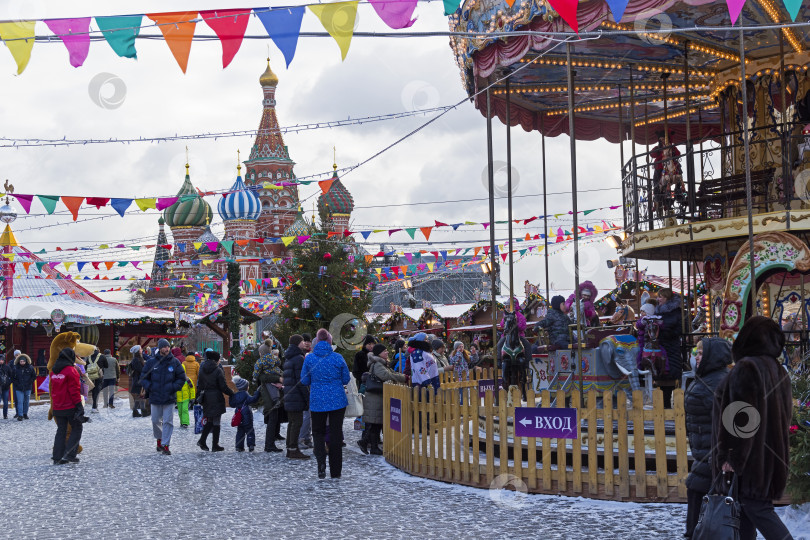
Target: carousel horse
x: 514, y: 353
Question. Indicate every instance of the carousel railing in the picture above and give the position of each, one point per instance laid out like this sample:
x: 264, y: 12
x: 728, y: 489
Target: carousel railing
x: 705, y: 178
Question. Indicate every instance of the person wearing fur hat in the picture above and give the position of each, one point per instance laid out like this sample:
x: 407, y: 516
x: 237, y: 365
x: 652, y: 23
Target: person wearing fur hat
x: 378, y: 374
x: 211, y: 386
x: 760, y: 458
x: 556, y: 324
x: 162, y: 378
x: 23, y: 377
x: 241, y: 401
x: 66, y: 400
x: 135, y: 370
x: 360, y: 365
x: 424, y: 370
x: 268, y: 376
x: 326, y: 372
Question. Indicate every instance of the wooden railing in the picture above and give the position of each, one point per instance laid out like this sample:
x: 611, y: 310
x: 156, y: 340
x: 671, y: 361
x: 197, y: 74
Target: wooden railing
x: 455, y: 436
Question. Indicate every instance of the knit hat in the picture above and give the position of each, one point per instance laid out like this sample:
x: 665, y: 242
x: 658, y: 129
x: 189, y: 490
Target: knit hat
x: 135, y: 349
x: 17, y: 352
x: 212, y: 355
x: 239, y: 383
x: 306, y: 337
x: 458, y: 345
x: 648, y: 310
x: 324, y: 335
x: 369, y: 339
x: 557, y: 301
x: 163, y: 342
x: 296, y: 340
x: 437, y: 344
x: 378, y: 349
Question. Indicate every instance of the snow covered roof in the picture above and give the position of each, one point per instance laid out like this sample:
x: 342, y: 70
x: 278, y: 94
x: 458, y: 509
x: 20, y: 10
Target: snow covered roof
x: 451, y: 311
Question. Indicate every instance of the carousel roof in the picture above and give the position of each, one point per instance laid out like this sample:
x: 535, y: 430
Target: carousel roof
x: 604, y: 65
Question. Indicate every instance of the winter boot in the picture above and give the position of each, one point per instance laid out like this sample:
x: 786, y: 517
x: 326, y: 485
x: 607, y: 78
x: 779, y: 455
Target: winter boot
x: 322, y: 469
x: 363, y: 446
x: 135, y: 413
x: 165, y: 450
x: 204, y: 437
x: 215, y: 447
x: 295, y: 453
x: 159, y: 446
x: 374, y: 442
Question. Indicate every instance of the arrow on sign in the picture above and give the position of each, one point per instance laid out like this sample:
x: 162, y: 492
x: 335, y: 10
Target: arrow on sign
x: 526, y: 422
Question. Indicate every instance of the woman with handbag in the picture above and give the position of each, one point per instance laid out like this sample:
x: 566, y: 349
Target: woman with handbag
x: 378, y: 373
x: 211, y: 385
x: 325, y: 372
x: 713, y: 356
x: 751, y: 417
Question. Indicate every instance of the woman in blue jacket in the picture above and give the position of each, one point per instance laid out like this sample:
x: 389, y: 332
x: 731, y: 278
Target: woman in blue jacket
x: 325, y: 372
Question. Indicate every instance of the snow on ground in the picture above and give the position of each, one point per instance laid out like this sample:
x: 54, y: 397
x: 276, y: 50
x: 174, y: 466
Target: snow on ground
x: 123, y: 489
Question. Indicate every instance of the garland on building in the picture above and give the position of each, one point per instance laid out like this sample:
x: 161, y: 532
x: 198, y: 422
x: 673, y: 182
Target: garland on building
x: 465, y: 319
x: 234, y: 318
x: 398, y: 317
x: 429, y: 314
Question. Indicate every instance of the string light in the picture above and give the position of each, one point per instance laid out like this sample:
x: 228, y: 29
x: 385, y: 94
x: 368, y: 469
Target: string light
x: 671, y: 115
x: 625, y: 103
x: 606, y: 64
x: 536, y: 89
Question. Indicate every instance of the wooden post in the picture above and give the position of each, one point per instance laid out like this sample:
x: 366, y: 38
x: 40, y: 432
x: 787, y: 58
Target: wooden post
x: 660, y: 444
x: 640, y: 457
x: 624, y: 456
x: 489, y: 412
x: 531, y: 444
x: 503, y: 429
x: 680, y: 441
x: 607, y: 449
x: 562, y: 454
x: 592, y: 413
x: 576, y: 444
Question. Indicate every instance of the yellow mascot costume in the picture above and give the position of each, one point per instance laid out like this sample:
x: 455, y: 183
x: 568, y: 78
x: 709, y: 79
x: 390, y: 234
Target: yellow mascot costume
x: 62, y: 341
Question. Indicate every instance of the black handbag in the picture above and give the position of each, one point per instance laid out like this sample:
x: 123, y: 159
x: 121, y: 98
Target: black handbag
x: 373, y: 384
x: 719, y: 514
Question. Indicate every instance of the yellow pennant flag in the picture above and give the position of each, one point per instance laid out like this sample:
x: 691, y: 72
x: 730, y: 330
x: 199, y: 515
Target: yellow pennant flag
x: 9, y: 256
x: 430, y: 267
x: 145, y: 204
x: 197, y: 245
x: 207, y: 262
x: 338, y: 19
x: 68, y: 264
x: 142, y: 290
x: 287, y: 240
x: 275, y: 281
x: 269, y: 185
x: 19, y: 38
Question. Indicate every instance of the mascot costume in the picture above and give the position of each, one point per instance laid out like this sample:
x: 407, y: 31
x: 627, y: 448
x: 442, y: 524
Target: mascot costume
x: 586, y: 311
x: 62, y: 341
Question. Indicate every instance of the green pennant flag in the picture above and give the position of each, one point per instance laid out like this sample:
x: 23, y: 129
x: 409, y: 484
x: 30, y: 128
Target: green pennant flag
x: 522, y: 253
x: 450, y: 7
x: 40, y: 265
x: 228, y: 245
x: 49, y: 202
x: 136, y: 248
x: 466, y: 250
x: 123, y: 263
x: 411, y: 232
x: 184, y: 198
x: 120, y: 32
x: 586, y: 212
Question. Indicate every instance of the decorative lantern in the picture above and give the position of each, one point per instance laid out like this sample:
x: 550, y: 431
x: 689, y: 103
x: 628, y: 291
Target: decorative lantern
x: 305, y: 303
x: 322, y: 271
x: 356, y: 293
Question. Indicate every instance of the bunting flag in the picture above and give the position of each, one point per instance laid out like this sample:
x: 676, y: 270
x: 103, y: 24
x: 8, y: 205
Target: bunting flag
x: 617, y: 8
x: 325, y: 185
x: 49, y: 202
x: 567, y: 9
x: 396, y: 13
x: 145, y: 204
x: 229, y: 25
x: 451, y: 6
x: 73, y: 204
x: 792, y: 7
x: 338, y: 19
x: 25, y: 202
x: 165, y: 202
x: 283, y: 26
x: 426, y: 231
x: 734, y: 9
x: 98, y: 202
x: 121, y: 205
x: 75, y: 34
x: 120, y: 33
x: 178, y: 31
x: 19, y: 38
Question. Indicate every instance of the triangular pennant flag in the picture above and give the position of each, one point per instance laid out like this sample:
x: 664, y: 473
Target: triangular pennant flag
x: 229, y: 25
x: 108, y: 264
x: 365, y: 234
x: 792, y: 7
x: 430, y: 267
x: 178, y: 31
x: 440, y: 224
x: 145, y: 204
x: 617, y: 8
x: 81, y: 265
x: 475, y: 251
x: 395, y: 13
x: 302, y: 239
x: 338, y: 19
x: 19, y: 38
x: 485, y: 225
x: 283, y: 26
x: 73, y: 204
x: 40, y: 266
x: 456, y: 226
x: 197, y: 245
x: 426, y: 231
x: 98, y: 202
x: 120, y: 205
x: 734, y: 9
x: 120, y: 33
x: 26, y: 265
x: 75, y: 34
x: 68, y: 264
x: 409, y: 256
x: 96, y: 263
x: 325, y: 185
x: 123, y: 263
x: 165, y: 202
x: 451, y: 6
x: 25, y: 202
x: 287, y: 240
x: 228, y: 245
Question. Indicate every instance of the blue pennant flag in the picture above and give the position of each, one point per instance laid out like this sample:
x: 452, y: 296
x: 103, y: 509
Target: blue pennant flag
x: 283, y: 25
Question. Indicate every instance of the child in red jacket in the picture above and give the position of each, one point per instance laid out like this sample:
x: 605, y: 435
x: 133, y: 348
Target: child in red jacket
x: 66, y: 398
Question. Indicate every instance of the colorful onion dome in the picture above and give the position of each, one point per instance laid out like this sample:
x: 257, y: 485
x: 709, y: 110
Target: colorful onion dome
x: 188, y: 212
x: 268, y: 78
x: 205, y: 238
x: 338, y: 198
x: 299, y: 227
x: 240, y: 203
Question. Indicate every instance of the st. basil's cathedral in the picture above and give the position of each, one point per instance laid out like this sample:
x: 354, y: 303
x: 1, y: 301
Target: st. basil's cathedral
x: 248, y: 210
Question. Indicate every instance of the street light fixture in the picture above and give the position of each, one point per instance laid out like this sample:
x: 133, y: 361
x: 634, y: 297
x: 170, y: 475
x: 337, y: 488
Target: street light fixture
x: 407, y: 284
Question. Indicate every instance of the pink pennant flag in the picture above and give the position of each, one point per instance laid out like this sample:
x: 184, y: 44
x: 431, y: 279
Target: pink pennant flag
x: 302, y: 239
x: 409, y: 257
x: 229, y: 25
x: 395, y: 13
x: 75, y: 34
x: 25, y: 202
x: 165, y: 202
x: 567, y: 9
x: 734, y: 9
x: 98, y: 202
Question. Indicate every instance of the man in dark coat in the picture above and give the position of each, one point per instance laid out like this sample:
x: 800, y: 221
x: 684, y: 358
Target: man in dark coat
x: 713, y: 358
x: 6, y: 374
x: 134, y: 370
x: 296, y: 395
x: 556, y: 323
x: 163, y: 379
x: 360, y: 364
x: 669, y: 309
x: 750, y: 420
x: 211, y: 386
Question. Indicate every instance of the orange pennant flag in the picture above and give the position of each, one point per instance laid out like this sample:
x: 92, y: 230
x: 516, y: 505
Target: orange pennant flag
x: 73, y: 204
x: 475, y: 251
x: 109, y: 264
x: 178, y: 31
x: 26, y: 265
x: 369, y: 258
x: 242, y: 242
x: 325, y: 185
x: 426, y: 231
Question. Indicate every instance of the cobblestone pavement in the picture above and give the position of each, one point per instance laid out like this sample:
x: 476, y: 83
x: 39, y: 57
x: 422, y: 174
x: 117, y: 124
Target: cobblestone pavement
x: 123, y: 489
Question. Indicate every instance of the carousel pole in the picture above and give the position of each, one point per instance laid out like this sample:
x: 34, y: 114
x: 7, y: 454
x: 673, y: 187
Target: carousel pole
x: 545, y: 205
x: 512, y: 306
x: 573, y: 143
x: 786, y: 161
x: 493, y: 263
x: 746, y: 141
x: 650, y: 201
x: 633, y: 149
x: 690, y: 154
x: 621, y: 151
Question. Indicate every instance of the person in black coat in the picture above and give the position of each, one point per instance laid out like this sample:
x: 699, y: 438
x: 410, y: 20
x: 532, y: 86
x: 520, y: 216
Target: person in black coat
x: 296, y: 395
x: 713, y: 358
x: 5, y: 384
x: 211, y: 386
x: 360, y: 364
x: 669, y: 309
x: 754, y: 443
x: 135, y: 370
x: 23, y: 376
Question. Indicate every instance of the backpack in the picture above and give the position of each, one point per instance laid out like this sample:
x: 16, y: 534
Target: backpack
x: 5, y: 380
x: 236, y: 421
x: 103, y: 365
x: 93, y: 369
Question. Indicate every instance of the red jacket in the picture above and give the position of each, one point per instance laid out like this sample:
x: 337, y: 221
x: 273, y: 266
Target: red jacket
x: 65, y: 389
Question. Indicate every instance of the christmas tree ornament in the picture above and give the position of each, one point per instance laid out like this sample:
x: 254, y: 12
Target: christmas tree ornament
x: 322, y: 271
x: 327, y: 256
x: 351, y: 258
x: 305, y: 303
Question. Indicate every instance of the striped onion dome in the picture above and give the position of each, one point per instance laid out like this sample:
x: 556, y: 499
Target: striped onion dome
x: 337, y: 200
x: 206, y: 238
x: 188, y: 212
x: 299, y: 227
x: 240, y: 203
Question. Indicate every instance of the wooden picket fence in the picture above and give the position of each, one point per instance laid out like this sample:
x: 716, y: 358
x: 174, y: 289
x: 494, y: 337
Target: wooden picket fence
x: 455, y: 436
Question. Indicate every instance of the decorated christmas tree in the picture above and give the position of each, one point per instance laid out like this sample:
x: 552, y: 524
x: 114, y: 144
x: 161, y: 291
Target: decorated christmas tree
x: 799, y: 472
x: 328, y: 285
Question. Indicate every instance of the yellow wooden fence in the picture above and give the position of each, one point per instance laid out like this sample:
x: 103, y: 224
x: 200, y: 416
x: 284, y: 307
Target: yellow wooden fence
x: 454, y: 436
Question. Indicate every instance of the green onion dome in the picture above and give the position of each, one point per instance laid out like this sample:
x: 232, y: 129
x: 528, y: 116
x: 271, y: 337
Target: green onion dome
x: 191, y: 210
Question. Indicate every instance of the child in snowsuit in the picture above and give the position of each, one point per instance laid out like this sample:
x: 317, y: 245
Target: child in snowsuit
x: 242, y: 400
x: 184, y: 396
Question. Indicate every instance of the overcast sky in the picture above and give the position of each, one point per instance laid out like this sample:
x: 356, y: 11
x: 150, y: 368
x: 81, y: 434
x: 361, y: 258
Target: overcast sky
x: 443, y: 162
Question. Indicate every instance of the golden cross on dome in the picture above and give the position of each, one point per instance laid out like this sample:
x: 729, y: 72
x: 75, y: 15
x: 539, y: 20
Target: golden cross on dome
x: 334, y: 159
x: 238, y: 161
x: 186, y: 159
